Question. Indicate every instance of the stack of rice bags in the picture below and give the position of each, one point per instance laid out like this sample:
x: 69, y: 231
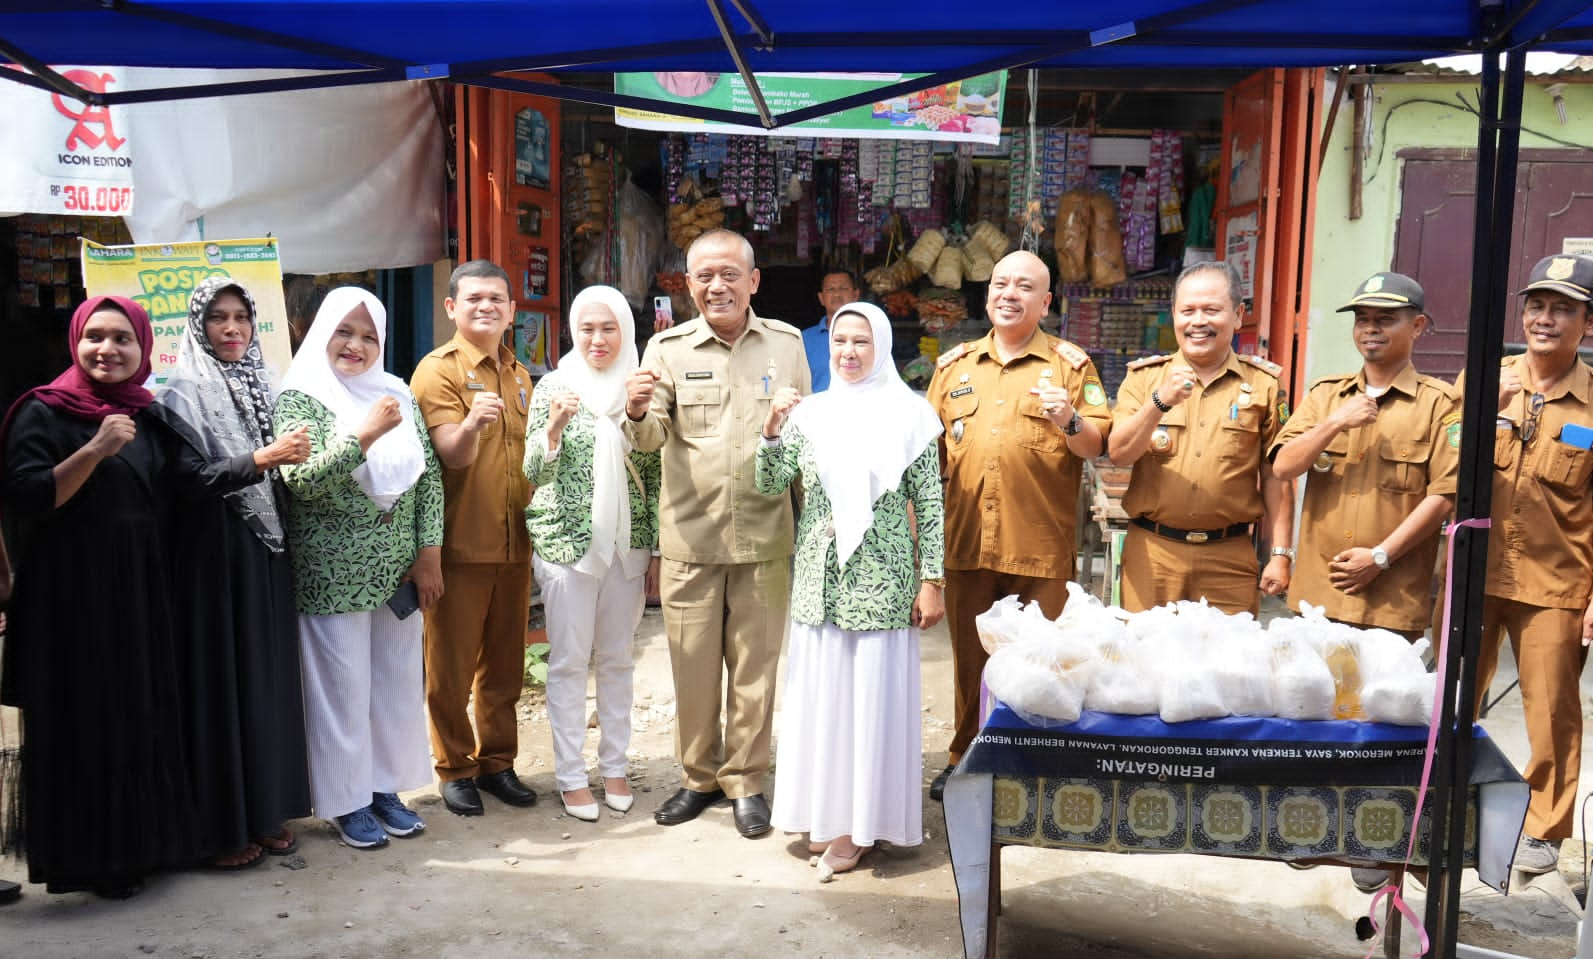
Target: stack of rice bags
x: 1188, y: 661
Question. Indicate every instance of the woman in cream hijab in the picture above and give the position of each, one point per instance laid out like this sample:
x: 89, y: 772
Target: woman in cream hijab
x: 364, y: 524
x: 863, y: 587
x: 594, y: 528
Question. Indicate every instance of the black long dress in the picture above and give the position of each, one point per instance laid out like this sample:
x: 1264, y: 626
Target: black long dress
x: 238, y: 640
x: 91, y: 657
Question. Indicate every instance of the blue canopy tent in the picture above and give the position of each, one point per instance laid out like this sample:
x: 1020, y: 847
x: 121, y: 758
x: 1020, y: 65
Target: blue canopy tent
x: 479, y: 41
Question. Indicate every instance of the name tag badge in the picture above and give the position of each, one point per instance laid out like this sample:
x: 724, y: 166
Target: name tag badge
x: 699, y: 374
x: 961, y: 392
x: 475, y: 386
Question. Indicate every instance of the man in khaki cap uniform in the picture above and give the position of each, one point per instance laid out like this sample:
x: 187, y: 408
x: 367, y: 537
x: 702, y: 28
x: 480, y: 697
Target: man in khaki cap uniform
x: 702, y: 394
x: 1379, y: 448
x: 1196, y: 426
x: 1022, y: 410
x: 1540, y: 550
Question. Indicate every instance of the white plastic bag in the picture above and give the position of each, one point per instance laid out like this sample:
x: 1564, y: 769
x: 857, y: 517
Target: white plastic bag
x: 1302, y: 685
x: 998, y: 625
x: 1244, y: 674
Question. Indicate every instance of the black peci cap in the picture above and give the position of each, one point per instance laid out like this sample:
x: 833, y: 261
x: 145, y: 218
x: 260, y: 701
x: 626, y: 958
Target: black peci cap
x: 1568, y: 273
x: 1387, y: 290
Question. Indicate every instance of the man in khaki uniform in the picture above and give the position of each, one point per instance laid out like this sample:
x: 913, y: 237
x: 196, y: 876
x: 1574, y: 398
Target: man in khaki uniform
x: 1022, y: 410
x: 1540, y: 550
x: 1380, y: 449
x: 702, y: 395
x: 1196, y: 426
x: 474, y: 395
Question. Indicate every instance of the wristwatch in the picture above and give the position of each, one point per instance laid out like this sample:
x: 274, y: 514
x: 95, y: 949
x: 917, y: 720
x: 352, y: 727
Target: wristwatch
x: 1380, y: 556
x: 1074, y: 425
x: 1284, y: 551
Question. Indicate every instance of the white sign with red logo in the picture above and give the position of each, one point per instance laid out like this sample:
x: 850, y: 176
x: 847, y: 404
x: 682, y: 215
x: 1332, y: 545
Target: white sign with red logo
x: 58, y: 155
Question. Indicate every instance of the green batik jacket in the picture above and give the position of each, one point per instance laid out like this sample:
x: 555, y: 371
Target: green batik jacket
x: 345, y: 558
x: 559, y: 517
x: 881, y: 580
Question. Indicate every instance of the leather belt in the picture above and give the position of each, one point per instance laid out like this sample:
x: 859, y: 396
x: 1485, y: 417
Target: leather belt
x: 1191, y: 535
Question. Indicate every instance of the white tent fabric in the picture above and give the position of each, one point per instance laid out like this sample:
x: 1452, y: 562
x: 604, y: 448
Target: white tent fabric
x: 347, y: 179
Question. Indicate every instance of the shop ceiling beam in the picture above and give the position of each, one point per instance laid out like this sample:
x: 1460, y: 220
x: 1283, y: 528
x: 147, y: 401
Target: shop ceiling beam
x: 225, y: 28
x: 40, y: 75
x: 733, y: 44
x: 322, y: 81
x: 606, y: 98
x: 1146, y: 30
x: 755, y: 20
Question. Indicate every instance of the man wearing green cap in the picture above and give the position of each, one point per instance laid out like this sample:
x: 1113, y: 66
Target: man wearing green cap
x: 1540, y: 549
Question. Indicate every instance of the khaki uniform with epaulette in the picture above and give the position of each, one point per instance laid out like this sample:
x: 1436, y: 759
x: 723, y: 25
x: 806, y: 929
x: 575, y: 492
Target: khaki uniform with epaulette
x: 1195, y: 494
x: 1364, y: 485
x: 1012, y: 489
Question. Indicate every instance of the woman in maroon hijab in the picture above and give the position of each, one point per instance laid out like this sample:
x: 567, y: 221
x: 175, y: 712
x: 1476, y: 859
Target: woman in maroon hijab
x: 89, y: 651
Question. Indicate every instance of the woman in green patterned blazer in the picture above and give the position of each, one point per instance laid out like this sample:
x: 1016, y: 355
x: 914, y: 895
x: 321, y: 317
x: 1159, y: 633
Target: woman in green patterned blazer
x: 866, y: 451
x: 364, y: 522
x: 594, y: 529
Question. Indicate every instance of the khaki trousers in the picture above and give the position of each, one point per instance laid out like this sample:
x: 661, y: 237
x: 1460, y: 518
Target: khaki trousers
x: 970, y: 592
x: 1158, y: 570
x: 1549, y: 655
x: 725, y: 621
x: 475, y: 648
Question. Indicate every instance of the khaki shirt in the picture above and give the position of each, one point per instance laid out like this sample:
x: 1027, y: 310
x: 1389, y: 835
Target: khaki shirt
x: 1203, y: 467
x: 483, y: 503
x: 1540, y: 550
x: 708, y: 411
x: 1012, y: 485
x: 1364, y: 485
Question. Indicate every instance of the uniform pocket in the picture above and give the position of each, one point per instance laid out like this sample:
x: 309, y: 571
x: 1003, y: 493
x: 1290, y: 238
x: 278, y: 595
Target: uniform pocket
x: 1506, y: 446
x: 1566, y: 466
x: 1240, y: 435
x: 1404, y: 464
x: 700, y: 410
x: 1035, y: 431
x: 958, y: 414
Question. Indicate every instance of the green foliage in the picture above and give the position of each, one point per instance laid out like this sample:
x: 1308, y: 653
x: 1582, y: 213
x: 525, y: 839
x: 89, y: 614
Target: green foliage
x: 536, y: 664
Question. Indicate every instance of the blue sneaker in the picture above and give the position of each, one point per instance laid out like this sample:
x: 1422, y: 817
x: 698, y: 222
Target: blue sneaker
x: 398, y: 819
x: 360, y: 829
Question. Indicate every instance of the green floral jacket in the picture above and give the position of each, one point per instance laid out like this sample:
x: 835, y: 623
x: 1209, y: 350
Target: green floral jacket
x: 345, y: 559
x: 877, y: 589
x: 559, y: 517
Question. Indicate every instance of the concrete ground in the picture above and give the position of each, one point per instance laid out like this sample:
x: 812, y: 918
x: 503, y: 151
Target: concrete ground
x: 532, y: 883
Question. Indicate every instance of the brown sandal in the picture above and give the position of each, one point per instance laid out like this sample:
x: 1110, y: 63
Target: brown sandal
x: 232, y: 861
x: 281, y: 844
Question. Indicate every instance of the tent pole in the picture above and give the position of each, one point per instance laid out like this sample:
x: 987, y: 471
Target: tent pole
x: 742, y: 67
x: 1498, y: 141
x: 47, y: 77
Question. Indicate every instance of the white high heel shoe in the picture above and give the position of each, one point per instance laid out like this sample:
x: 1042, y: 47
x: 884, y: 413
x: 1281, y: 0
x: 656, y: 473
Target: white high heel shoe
x: 586, y: 812
x: 621, y: 804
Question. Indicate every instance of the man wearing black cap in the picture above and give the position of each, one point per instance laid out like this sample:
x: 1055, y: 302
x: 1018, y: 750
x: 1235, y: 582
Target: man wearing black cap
x: 1540, y: 549
x: 1380, y: 448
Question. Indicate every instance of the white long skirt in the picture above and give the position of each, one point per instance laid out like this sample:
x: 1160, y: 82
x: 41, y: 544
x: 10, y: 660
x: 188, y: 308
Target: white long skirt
x: 850, y: 742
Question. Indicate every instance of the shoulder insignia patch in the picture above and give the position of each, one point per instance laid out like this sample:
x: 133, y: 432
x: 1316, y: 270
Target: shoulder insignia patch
x: 1266, y: 366
x: 1283, y: 407
x: 1094, y: 393
x: 951, y: 356
x: 1451, y: 427
x: 1071, y: 355
x: 1145, y: 361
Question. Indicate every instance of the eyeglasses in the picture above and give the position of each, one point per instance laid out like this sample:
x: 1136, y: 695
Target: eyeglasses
x: 1529, y: 429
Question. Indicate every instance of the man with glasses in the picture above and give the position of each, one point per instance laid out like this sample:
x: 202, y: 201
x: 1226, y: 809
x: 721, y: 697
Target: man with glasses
x: 838, y: 289
x: 1540, y: 549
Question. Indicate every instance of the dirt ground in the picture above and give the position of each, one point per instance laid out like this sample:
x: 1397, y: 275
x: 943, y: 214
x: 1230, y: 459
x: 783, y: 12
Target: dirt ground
x: 533, y: 883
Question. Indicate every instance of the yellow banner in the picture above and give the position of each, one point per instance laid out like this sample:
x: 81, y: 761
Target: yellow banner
x: 161, y: 276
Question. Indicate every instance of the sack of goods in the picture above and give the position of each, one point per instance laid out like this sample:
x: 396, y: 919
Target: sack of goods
x: 1188, y: 661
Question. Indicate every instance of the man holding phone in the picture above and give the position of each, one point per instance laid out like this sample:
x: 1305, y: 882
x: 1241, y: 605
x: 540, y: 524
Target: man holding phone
x: 1540, y: 549
x: 474, y: 395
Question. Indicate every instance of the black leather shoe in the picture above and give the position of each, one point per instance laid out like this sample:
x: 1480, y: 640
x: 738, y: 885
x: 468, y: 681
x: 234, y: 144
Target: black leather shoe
x: 461, y: 797
x: 752, y: 815
x: 685, y: 805
x: 937, y: 789
x: 507, y: 786
x: 9, y: 892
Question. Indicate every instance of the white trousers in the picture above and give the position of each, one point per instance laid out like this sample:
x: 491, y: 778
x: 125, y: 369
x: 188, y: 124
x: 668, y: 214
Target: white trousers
x: 364, y: 707
x: 591, y: 622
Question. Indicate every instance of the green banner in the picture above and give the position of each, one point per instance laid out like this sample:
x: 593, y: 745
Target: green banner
x: 967, y: 111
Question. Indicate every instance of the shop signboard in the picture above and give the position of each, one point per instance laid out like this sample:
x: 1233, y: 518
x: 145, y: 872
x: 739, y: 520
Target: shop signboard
x: 966, y: 111
x: 161, y: 276
x: 60, y: 156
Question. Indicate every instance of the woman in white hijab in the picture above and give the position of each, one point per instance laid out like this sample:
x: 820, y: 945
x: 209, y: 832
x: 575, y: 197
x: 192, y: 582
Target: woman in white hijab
x: 364, y: 525
x: 594, y: 530
x: 849, y: 737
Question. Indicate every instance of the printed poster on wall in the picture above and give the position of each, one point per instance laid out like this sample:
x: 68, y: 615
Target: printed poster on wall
x: 161, y: 277
x: 61, y: 156
x: 531, y: 342
x: 965, y: 111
